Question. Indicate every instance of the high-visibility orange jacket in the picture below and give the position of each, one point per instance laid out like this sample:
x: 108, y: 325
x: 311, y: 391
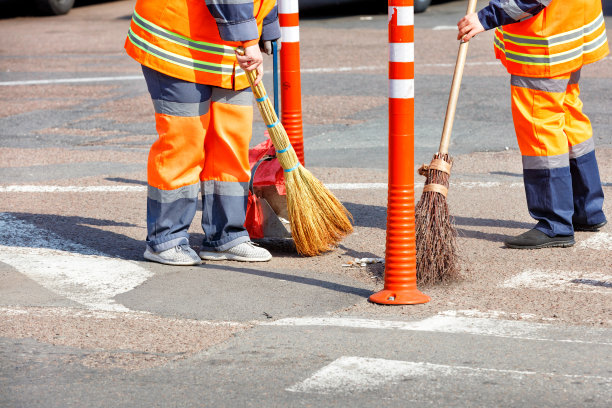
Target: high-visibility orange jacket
x: 194, y: 40
x: 546, y: 38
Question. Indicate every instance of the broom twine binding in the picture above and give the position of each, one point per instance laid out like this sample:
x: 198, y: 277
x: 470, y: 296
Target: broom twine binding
x: 436, y: 188
x: 439, y: 164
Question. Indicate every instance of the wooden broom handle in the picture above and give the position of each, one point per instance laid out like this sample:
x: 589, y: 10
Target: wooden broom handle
x: 454, y: 92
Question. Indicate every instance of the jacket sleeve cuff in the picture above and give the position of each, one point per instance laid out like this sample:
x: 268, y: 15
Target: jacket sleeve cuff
x: 242, y: 31
x: 271, y: 31
x: 249, y: 43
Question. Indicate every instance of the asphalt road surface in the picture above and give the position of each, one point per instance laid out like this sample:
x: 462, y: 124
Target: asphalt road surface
x: 84, y: 320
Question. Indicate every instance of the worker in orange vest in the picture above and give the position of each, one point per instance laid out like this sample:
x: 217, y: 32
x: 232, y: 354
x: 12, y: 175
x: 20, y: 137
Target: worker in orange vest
x: 203, y: 113
x: 543, y: 44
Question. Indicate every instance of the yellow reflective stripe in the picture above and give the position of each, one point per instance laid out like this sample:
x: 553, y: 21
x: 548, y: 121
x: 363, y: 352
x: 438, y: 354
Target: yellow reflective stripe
x: 172, y: 57
x: 538, y: 63
x: 550, y: 41
x: 555, y: 56
x: 176, y: 38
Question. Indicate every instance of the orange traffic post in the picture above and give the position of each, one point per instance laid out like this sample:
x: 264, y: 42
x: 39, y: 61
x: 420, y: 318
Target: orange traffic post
x: 291, y: 85
x: 400, y: 259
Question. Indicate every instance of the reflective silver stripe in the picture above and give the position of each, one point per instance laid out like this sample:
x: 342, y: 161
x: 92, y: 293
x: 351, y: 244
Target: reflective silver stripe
x: 225, y: 188
x: 179, y: 59
x: 539, y: 84
x: 545, y: 59
x: 241, y: 98
x: 575, y: 77
x: 179, y: 39
x: 180, y: 108
x: 514, y: 11
x: 596, y: 43
x: 170, y: 196
x: 527, y: 41
x: 582, y: 148
x: 556, y: 58
x: 589, y: 28
x: 556, y: 39
x: 546, y: 162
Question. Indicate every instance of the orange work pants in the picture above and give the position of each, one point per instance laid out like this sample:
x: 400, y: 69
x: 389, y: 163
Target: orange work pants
x: 203, y: 145
x: 560, y: 171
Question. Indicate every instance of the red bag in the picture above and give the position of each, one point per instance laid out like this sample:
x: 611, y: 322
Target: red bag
x: 254, y: 217
x: 264, y: 172
x: 269, y: 173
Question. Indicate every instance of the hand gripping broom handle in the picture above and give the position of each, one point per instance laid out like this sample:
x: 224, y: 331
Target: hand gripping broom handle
x: 260, y: 94
x: 285, y: 154
x: 454, y: 93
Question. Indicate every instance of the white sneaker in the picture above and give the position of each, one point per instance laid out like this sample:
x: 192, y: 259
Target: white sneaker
x: 179, y: 255
x: 245, y: 252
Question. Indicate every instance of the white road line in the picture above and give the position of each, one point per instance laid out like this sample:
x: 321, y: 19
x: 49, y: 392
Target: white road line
x: 321, y: 70
x: 71, y: 189
x: 67, y: 268
x: 51, y: 312
x: 495, y: 314
x: 445, y: 27
x: 357, y: 186
x: 342, y: 69
x: 575, y: 281
x: 460, y: 325
x: 72, y: 80
x: 137, y: 189
x: 599, y: 240
x: 357, y: 374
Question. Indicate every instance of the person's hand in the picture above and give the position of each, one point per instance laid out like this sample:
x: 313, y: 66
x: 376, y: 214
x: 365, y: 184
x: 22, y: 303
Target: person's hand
x: 265, y: 47
x: 468, y: 27
x: 252, y: 60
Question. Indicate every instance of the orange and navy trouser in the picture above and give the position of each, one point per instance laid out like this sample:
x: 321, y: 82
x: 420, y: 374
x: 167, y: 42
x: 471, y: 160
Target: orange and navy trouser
x: 560, y: 171
x: 203, y: 147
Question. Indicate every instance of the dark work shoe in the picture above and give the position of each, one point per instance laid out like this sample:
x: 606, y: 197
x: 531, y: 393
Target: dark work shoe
x: 535, y: 239
x: 589, y: 228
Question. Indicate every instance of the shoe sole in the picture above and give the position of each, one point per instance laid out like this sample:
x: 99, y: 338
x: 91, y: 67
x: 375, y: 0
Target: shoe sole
x: 225, y: 257
x: 154, y: 258
x: 558, y: 244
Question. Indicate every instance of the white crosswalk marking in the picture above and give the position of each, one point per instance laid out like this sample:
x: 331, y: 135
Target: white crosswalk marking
x: 357, y: 374
x: 67, y: 268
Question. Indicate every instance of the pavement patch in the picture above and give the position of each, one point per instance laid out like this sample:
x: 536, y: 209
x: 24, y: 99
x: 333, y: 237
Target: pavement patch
x: 129, y: 341
x: 599, y: 241
x: 548, y: 279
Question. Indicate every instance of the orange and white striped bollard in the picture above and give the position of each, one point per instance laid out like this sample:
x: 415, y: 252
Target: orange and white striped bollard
x: 291, y: 85
x: 400, y: 286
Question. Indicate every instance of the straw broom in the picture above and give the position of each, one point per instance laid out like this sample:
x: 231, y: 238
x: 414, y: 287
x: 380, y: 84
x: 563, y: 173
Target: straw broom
x: 436, y: 236
x: 318, y: 220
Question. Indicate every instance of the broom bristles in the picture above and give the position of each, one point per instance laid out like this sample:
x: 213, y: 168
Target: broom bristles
x: 436, y: 244
x: 318, y: 220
